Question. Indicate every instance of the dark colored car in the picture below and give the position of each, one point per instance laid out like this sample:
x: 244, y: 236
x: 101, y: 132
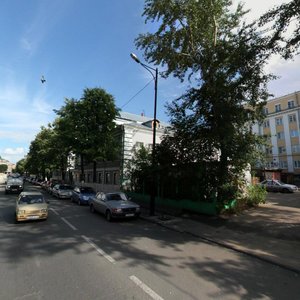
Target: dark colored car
x: 82, y: 194
x: 14, y: 185
x: 114, y: 205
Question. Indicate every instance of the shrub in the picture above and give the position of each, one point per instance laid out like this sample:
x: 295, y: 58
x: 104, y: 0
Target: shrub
x: 255, y: 195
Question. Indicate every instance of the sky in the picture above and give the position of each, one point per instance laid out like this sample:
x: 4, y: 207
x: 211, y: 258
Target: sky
x: 78, y: 44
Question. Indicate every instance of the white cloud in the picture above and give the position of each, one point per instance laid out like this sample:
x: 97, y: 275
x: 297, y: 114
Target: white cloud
x: 11, y: 151
x: 13, y: 155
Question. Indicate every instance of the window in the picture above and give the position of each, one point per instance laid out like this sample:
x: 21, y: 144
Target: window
x: 292, y: 118
x: 100, y: 177
x: 277, y: 107
x: 265, y: 110
x: 280, y: 135
x: 266, y: 123
x: 269, y: 150
x: 295, y: 148
x: 278, y: 121
x: 115, y: 178
x: 283, y: 164
x: 297, y: 164
x: 291, y: 104
x: 281, y: 150
x: 294, y: 133
x: 107, y: 178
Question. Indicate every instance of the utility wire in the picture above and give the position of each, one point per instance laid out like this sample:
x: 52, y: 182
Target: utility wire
x: 137, y: 93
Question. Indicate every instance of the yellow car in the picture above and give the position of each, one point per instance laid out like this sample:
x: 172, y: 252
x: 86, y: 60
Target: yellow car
x: 31, y: 206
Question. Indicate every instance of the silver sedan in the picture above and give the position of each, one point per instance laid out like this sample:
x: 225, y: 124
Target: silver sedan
x: 114, y: 205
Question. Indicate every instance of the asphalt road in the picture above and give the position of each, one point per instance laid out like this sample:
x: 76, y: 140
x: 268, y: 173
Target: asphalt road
x: 79, y: 255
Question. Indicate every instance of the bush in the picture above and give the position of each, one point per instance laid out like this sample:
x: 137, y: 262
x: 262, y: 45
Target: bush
x: 255, y: 195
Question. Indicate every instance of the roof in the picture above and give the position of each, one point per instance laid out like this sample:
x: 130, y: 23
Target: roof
x: 126, y: 117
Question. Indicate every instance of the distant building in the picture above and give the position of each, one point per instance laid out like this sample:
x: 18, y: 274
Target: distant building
x: 10, y: 166
x: 136, y: 130
x: 282, y: 126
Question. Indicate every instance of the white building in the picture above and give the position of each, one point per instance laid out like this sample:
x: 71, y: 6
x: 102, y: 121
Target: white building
x: 136, y: 130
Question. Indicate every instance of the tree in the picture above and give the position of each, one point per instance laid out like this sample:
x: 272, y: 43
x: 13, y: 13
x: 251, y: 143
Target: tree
x: 88, y: 126
x: 138, y: 169
x: 223, y: 60
x: 20, y: 166
x: 282, y: 18
x: 3, y: 168
x: 46, y: 153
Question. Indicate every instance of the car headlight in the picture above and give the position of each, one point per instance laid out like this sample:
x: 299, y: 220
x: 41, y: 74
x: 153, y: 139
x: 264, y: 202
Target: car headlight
x: 44, y: 210
x: 20, y: 186
x: 21, y: 212
x: 8, y: 186
x: 85, y: 198
x: 117, y: 210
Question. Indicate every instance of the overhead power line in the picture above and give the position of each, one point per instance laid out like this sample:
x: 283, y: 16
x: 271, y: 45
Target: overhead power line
x: 137, y: 93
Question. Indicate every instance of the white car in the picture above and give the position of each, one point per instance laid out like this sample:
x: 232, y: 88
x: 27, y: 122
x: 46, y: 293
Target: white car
x: 273, y: 185
x: 62, y: 191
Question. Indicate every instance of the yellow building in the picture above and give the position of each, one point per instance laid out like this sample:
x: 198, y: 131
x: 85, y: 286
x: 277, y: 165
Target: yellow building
x: 282, y: 126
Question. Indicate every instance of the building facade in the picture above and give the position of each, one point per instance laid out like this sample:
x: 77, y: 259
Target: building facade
x: 136, y: 130
x: 281, y: 127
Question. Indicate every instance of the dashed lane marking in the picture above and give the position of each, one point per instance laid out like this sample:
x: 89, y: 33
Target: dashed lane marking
x: 145, y: 288
x: 100, y: 251
x: 68, y: 223
x: 52, y: 209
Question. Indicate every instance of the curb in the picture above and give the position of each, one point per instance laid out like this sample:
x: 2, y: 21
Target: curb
x: 224, y: 245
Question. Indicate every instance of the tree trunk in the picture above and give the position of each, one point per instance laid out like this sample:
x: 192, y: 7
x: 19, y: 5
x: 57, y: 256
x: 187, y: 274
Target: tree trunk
x: 82, y: 177
x: 95, y: 171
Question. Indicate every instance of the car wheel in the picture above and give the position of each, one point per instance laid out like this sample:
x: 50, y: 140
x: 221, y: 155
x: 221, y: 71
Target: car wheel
x: 92, y: 208
x: 285, y: 191
x: 108, y: 216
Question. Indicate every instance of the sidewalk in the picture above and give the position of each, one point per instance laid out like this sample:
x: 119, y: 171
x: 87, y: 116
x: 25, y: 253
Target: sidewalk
x: 269, y: 232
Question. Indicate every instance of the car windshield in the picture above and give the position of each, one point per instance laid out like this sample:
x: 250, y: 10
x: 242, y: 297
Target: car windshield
x: 279, y: 182
x: 31, y: 199
x: 86, y: 190
x: 14, y: 181
x: 65, y: 187
x: 111, y: 197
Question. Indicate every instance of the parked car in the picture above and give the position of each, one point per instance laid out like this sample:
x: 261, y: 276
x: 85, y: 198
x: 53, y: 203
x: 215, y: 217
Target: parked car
x: 31, y: 206
x: 62, y: 191
x: 114, y: 205
x: 272, y: 185
x: 82, y: 194
x: 13, y: 185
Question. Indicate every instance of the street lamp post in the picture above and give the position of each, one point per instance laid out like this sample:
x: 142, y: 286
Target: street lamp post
x: 155, y: 77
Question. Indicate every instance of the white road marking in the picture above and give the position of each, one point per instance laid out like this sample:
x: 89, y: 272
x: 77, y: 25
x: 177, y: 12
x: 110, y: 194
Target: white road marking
x: 109, y: 258
x: 52, y: 209
x: 145, y: 288
x: 68, y: 223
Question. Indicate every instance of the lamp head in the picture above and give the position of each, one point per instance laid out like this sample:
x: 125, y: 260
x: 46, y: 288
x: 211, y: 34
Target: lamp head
x: 134, y: 57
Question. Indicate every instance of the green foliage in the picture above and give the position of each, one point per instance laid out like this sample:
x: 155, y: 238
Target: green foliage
x: 88, y: 125
x: 256, y: 195
x: 252, y: 196
x: 138, y: 170
x: 20, y: 166
x: 224, y: 60
x: 3, y: 168
x: 85, y: 127
x: 282, y: 19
